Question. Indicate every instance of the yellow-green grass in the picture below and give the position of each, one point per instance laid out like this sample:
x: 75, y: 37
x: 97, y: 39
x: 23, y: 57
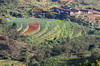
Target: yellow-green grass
x: 11, y: 63
x: 98, y: 62
x: 41, y: 39
x: 69, y: 29
x: 64, y: 31
x: 76, y: 30
x: 51, y: 26
x: 25, y: 28
x: 53, y: 32
x: 19, y: 29
x: 42, y: 32
x: 92, y: 1
x: 50, y: 32
x: 54, y: 36
x: 89, y: 6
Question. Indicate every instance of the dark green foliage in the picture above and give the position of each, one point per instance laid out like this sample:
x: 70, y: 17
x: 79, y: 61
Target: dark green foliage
x: 11, y: 31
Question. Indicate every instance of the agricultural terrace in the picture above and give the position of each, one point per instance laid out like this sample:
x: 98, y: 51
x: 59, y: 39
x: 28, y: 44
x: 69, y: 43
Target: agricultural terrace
x: 47, y: 29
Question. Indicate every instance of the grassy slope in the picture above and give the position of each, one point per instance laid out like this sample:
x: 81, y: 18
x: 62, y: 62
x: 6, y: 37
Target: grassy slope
x: 10, y: 63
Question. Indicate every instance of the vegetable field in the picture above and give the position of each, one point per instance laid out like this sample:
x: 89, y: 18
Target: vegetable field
x: 47, y: 29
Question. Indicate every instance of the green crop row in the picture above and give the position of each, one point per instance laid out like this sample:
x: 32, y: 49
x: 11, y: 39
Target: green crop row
x: 47, y: 35
x: 42, y: 32
x: 50, y: 27
x: 19, y: 29
x: 43, y: 24
x: 51, y: 33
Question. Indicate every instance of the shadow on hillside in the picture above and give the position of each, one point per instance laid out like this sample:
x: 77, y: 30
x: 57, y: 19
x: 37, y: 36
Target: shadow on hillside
x: 75, y: 62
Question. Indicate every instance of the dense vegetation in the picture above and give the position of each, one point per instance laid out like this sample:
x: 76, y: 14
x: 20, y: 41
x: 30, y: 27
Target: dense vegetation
x: 59, y: 39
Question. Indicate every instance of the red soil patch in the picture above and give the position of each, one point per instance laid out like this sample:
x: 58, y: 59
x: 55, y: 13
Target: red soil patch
x: 63, y: 0
x: 95, y: 16
x: 33, y: 26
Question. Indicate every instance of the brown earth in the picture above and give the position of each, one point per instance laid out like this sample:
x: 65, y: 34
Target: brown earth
x: 33, y: 26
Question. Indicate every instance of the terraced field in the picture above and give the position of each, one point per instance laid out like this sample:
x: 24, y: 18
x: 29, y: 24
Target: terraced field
x: 47, y: 29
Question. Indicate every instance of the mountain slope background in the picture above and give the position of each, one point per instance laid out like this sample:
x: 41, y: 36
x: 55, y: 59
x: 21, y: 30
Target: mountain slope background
x: 60, y: 39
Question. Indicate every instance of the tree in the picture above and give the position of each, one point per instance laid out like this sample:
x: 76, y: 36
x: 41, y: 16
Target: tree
x: 12, y: 32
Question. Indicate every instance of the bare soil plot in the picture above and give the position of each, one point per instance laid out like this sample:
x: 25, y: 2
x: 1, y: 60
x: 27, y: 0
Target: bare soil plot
x: 32, y: 26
